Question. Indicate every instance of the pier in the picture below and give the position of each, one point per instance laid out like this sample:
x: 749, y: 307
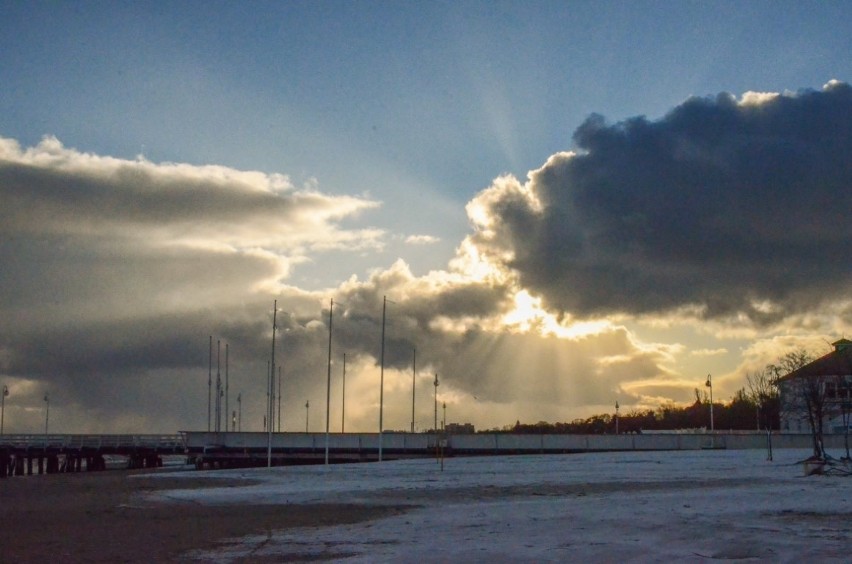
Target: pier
x: 25, y: 455
x: 233, y: 450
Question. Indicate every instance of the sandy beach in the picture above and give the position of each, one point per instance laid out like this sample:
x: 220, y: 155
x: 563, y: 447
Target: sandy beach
x: 666, y: 506
x: 105, y: 517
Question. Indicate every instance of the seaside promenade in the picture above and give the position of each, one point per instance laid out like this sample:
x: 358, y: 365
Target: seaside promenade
x: 26, y: 455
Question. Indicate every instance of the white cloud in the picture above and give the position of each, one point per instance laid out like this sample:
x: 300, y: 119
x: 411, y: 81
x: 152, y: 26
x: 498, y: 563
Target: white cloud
x: 709, y: 352
x: 422, y: 240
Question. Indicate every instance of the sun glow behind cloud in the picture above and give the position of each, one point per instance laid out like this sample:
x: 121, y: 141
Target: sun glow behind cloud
x: 528, y: 315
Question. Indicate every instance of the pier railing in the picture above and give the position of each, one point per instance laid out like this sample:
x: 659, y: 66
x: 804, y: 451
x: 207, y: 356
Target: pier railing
x: 160, y: 443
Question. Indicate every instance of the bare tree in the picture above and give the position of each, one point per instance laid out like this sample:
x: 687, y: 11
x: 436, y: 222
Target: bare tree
x: 763, y: 391
x: 806, y: 394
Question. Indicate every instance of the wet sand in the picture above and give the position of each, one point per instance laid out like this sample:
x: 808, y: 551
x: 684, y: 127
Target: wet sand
x: 105, y: 517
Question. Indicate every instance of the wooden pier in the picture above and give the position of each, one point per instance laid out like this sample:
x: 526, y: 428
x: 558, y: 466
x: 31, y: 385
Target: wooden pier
x: 26, y: 455
x: 23, y: 455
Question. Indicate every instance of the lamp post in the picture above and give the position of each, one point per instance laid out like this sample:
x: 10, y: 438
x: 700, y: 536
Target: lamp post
x: 436, y: 403
x: 46, y: 412
x: 444, y: 422
x: 3, y: 406
x: 307, y: 411
x: 709, y: 384
x: 616, y: 416
x: 240, y: 412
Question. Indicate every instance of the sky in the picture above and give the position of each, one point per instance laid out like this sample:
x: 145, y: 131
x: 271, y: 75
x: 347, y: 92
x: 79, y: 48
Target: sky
x: 692, y: 506
x: 565, y: 204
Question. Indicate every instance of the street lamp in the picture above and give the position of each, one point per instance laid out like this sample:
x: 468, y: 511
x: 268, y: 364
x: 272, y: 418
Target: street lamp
x: 46, y: 412
x: 444, y: 422
x: 616, y: 417
x: 436, y: 403
x: 240, y: 412
x: 307, y: 411
x: 3, y: 406
x: 709, y: 384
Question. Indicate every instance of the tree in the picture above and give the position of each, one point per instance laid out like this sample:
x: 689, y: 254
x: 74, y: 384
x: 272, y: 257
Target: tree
x: 741, y: 413
x: 763, y: 391
x: 806, y: 393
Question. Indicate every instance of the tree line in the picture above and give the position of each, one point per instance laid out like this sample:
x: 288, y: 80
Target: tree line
x: 757, y: 406
x: 753, y: 407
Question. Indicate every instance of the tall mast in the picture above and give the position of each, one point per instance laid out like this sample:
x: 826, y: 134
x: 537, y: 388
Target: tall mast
x: 209, y: 381
x: 271, y: 389
x: 218, y: 386
x: 413, y: 384
x: 382, y: 375
x: 227, y: 410
x: 343, y: 398
x: 328, y: 382
x: 279, y: 398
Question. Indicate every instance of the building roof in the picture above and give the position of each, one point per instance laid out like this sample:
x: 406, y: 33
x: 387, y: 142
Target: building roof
x: 836, y: 363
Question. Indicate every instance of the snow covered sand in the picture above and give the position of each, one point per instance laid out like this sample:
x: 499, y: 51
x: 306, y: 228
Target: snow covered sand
x: 626, y: 506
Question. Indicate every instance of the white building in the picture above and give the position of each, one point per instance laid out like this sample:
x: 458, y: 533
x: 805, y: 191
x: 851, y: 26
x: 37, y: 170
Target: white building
x: 827, y: 384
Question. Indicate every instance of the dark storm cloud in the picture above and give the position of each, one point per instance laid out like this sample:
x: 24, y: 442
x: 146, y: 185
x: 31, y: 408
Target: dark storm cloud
x: 722, y: 204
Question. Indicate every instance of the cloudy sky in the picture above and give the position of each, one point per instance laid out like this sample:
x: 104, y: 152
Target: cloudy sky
x: 566, y: 204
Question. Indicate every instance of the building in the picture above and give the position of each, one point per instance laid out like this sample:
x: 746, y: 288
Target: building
x: 825, y: 384
x: 460, y: 428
